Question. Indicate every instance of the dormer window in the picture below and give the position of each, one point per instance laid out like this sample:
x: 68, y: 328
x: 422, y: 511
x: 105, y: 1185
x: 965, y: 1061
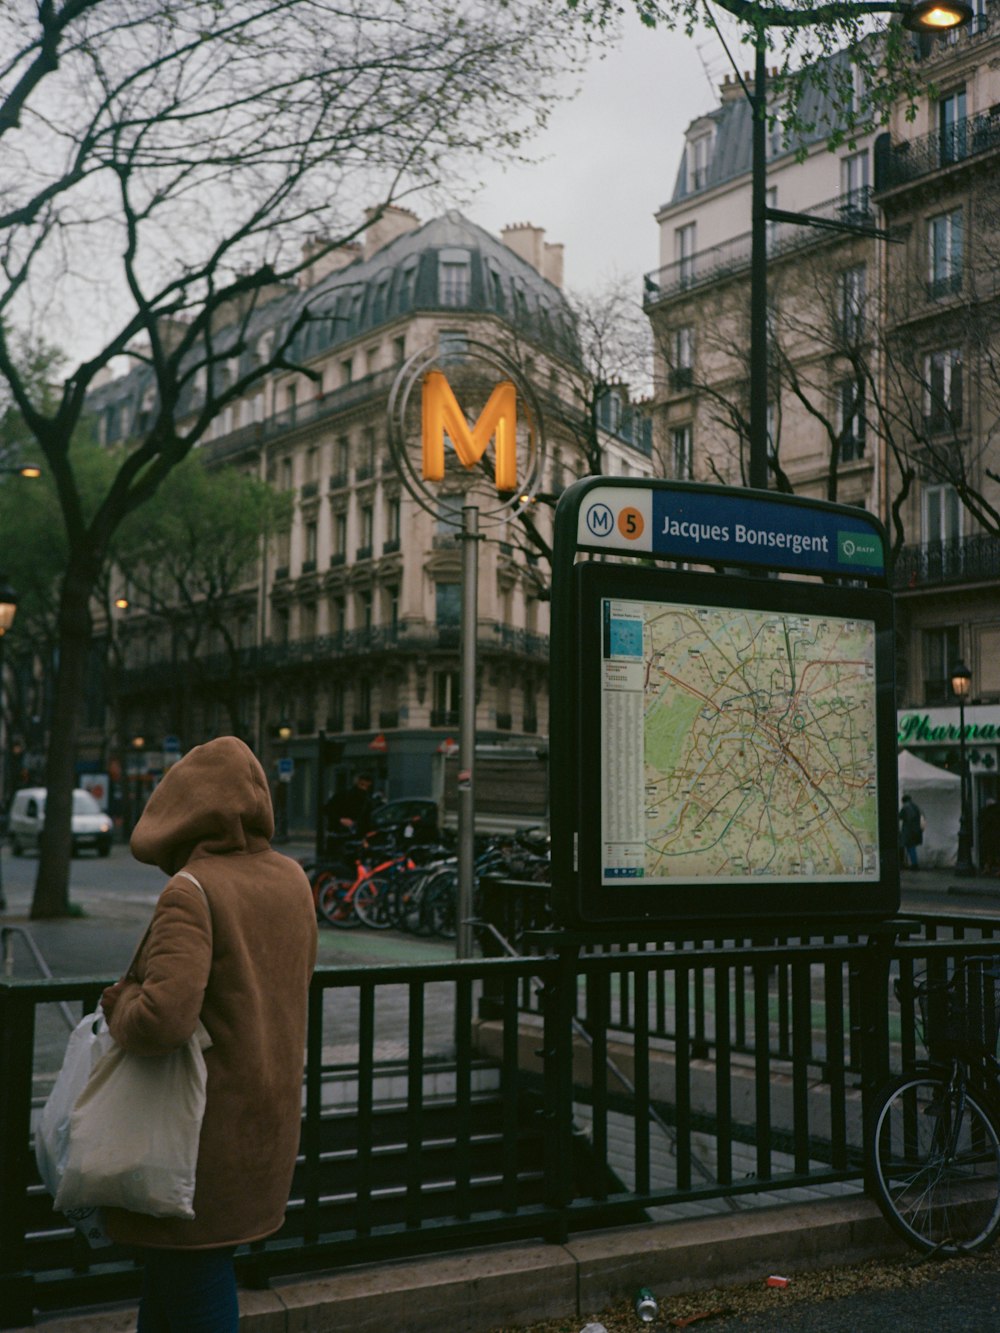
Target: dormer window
x: 699, y: 156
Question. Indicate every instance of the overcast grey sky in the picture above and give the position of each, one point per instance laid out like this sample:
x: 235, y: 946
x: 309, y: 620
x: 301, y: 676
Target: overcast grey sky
x: 611, y: 156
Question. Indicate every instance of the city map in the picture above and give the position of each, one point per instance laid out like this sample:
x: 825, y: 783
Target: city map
x: 738, y: 743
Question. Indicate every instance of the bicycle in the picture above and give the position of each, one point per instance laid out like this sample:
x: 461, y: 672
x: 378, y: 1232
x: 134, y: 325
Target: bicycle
x: 935, y: 1150
x: 345, y: 901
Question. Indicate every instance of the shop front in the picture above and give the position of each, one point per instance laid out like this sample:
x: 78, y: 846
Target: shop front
x: 934, y: 735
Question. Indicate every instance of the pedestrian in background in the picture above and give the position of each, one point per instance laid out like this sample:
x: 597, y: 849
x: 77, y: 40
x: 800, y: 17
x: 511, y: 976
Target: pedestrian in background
x: 911, y: 830
x: 239, y: 956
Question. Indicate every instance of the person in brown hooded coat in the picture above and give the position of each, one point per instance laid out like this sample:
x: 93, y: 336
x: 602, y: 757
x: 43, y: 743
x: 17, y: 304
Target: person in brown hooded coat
x: 239, y: 958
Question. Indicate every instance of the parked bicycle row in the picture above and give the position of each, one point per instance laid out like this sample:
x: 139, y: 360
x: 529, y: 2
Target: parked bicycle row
x: 397, y: 882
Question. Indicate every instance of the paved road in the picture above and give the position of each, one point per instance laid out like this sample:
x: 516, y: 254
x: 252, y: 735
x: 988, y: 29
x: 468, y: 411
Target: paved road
x: 952, y: 1302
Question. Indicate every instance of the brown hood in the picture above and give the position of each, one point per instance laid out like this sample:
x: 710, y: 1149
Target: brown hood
x: 213, y: 801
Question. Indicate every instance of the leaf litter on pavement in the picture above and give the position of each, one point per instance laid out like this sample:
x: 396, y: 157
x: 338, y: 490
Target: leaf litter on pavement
x: 717, y: 1307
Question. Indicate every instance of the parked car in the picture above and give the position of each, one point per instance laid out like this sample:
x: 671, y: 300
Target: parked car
x: 91, y: 826
x: 410, y: 819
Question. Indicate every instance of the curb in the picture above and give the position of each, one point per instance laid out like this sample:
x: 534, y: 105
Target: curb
x: 476, y: 1291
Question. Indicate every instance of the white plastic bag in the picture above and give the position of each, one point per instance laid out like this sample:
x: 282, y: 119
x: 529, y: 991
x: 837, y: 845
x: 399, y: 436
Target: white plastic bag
x: 134, y: 1131
x: 89, y: 1042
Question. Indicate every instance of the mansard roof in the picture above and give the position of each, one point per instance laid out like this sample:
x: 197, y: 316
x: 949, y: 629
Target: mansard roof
x: 733, y: 123
x: 403, y: 277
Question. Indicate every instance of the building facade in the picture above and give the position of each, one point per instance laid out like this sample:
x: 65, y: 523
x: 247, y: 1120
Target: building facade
x: 881, y: 353
x: 348, y: 625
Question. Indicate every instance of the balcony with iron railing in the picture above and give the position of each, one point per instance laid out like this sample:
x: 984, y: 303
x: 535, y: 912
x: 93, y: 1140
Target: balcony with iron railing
x: 362, y: 642
x: 733, y: 256
x: 912, y: 159
x: 961, y: 560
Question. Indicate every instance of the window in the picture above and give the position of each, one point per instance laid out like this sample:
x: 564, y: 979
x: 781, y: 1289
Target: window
x: 952, y: 126
x: 699, y: 160
x: 310, y: 552
x: 452, y: 340
x: 341, y: 460
x: 392, y: 515
x: 682, y: 372
x: 307, y: 621
x: 346, y: 370
x: 684, y: 243
x: 943, y: 390
x: 449, y: 515
x: 448, y: 604
x: 365, y: 610
x: 398, y: 350
x: 392, y: 610
x: 363, y: 717
x: 286, y: 474
x: 366, y: 467
x: 335, y: 705
x: 446, y: 698
x: 942, y: 515
x: 367, y: 528
x: 854, y: 181
x: 850, y: 419
x: 941, y: 648
x: 312, y: 464
x: 851, y: 303
x: 454, y: 277
x: 339, y: 535
x: 944, y: 245
x: 680, y: 450
x: 371, y: 360
x: 291, y: 397
x: 408, y: 286
x: 338, y: 616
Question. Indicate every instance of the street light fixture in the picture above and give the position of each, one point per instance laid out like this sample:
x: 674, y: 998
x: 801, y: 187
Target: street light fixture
x: 8, y: 610
x: 926, y: 16
x: 961, y: 681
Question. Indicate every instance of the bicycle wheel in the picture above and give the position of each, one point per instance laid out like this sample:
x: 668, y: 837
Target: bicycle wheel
x: 371, y: 903
x: 936, y: 1164
x: 337, y: 907
x: 440, y: 906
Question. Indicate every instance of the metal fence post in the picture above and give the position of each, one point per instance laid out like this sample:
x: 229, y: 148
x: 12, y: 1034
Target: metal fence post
x: 17, y: 1044
x: 873, y: 980
x: 558, y: 1011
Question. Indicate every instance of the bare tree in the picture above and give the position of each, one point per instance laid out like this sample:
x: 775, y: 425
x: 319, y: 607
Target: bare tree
x: 163, y: 162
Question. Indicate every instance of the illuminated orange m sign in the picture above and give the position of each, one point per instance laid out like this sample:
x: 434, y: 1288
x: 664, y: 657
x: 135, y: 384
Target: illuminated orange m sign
x: 443, y: 416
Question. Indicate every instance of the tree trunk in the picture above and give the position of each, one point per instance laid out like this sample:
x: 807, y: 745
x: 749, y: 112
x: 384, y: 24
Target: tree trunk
x: 51, y: 898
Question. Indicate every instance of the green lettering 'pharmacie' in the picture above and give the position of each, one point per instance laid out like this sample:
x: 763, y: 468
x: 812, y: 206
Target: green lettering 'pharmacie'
x: 859, y: 548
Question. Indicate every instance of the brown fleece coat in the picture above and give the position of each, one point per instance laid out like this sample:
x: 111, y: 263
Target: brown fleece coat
x: 242, y: 964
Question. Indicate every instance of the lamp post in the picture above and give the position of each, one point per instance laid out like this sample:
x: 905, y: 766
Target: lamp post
x: 961, y: 680
x: 8, y: 610
x: 284, y: 731
x: 928, y: 16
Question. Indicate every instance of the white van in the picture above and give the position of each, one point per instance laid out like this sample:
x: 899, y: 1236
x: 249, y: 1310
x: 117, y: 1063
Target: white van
x: 91, y: 826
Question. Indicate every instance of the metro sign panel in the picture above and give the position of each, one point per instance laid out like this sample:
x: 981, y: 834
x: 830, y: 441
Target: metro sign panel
x: 442, y: 415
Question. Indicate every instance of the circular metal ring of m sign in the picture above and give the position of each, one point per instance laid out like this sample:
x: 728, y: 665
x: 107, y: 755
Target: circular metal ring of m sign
x: 433, y: 394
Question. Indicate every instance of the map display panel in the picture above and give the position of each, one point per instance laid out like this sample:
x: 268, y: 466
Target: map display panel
x: 739, y: 745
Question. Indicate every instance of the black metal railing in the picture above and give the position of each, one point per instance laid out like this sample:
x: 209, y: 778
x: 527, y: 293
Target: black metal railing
x: 720, y: 261
x: 960, y: 560
x: 911, y: 159
x: 680, y: 1072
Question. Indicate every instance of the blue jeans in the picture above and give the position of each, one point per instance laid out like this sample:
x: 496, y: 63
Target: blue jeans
x: 189, y: 1291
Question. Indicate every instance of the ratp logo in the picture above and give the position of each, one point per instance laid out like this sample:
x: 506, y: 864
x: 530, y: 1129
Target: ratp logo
x: 600, y: 520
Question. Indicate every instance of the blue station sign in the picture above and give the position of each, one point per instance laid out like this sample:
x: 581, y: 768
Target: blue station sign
x: 717, y: 526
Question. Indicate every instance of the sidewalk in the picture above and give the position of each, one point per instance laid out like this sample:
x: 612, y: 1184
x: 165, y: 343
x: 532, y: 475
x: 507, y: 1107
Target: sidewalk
x: 476, y: 1291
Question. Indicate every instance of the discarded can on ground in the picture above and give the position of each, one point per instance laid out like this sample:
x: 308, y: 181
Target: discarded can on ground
x: 645, y: 1305
x: 775, y: 1281
x: 593, y: 1328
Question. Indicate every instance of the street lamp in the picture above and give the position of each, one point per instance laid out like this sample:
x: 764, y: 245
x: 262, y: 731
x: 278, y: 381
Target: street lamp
x: 928, y: 16
x: 8, y: 610
x: 961, y: 679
